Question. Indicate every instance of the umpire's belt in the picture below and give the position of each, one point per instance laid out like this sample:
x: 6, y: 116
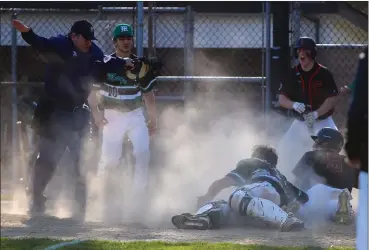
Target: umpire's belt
x: 71, y: 108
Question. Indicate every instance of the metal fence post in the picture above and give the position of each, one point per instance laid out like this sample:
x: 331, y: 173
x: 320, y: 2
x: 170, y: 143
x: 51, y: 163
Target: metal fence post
x: 14, y: 102
x: 99, y: 13
x: 263, y: 60
x: 268, y: 57
x: 188, y: 53
x: 139, y: 31
x: 150, y: 36
x: 296, y: 27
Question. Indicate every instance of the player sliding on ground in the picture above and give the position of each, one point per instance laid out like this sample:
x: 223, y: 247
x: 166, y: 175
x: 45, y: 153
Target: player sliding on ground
x: 327, y: 179
x: 261, y: 193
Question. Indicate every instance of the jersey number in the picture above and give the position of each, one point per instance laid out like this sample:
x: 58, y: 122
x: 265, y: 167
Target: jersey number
x: 334, y: 164
x: 113, y: 91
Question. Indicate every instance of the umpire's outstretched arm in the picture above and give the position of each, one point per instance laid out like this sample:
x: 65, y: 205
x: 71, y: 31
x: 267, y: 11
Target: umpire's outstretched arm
x: 38, y: 42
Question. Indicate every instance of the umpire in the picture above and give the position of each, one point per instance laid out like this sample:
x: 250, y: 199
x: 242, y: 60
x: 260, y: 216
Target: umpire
x: 63, y: 113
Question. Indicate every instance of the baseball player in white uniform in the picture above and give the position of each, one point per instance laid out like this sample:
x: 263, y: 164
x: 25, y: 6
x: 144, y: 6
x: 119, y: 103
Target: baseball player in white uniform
x: 311, y: 93
x: 122, y: 111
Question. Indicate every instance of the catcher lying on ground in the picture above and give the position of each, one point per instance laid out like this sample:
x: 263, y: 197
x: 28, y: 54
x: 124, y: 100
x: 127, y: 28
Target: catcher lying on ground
x: 262, y: 192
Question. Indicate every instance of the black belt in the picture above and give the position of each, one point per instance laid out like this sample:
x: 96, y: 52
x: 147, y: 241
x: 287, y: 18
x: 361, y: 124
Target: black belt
x: 72, y: 109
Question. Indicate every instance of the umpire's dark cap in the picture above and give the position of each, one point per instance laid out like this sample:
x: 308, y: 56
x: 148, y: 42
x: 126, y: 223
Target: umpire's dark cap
x: 84, y: 28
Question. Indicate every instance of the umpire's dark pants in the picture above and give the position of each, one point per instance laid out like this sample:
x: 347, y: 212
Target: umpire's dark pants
x: 65, y: 128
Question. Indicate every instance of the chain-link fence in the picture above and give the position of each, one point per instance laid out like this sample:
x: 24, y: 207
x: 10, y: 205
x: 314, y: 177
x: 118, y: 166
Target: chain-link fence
x: 217, y: 56
x: 340, y: 42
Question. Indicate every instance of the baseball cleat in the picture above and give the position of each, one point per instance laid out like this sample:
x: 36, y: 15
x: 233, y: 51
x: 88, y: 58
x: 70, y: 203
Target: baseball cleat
x: 292, y: 224
x: 188, y: 221
x: 344, y: 211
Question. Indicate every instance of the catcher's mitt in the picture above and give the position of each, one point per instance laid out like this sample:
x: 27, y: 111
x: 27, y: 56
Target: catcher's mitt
x: 142, y: 68
x: 140, y: 71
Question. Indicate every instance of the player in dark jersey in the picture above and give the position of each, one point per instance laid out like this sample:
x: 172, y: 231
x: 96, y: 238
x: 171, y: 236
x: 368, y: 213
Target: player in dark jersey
x: 261, y: 192
x: 325, y: 176
x: 310, y: 92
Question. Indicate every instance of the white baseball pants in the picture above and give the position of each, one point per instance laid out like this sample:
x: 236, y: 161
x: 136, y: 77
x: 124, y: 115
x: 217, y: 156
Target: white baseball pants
x: 297, y: 141
x: 263, y: 205
x: 362, y: 213
x: 134, y: 125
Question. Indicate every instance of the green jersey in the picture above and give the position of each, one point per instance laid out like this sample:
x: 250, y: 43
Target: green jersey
x: 119, y: 91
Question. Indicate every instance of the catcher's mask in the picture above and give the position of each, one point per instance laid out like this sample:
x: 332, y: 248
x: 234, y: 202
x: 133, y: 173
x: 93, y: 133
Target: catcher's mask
x: 307, y: 43
x: 328, y: 138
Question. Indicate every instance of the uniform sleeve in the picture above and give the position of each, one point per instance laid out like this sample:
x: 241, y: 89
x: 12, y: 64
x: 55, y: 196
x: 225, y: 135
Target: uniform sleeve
x: 242, y: 171
x: 286, y: 87
x: 99, y: 74
x: 235, y: 175
x: 113, y: 64
x: 42, y: 44
x: 330, y: 87
x: 357, y: 122
x: 148, y: 82
x: 98, y: 71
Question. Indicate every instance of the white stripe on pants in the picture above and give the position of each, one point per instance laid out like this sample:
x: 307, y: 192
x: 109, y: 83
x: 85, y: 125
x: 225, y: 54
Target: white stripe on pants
x: 362, y: 213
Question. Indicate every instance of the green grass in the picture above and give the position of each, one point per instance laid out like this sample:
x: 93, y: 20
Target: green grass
x: 33, y: 244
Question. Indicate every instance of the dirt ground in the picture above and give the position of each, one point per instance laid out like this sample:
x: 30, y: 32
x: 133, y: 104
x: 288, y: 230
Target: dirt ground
x: 13, y: 225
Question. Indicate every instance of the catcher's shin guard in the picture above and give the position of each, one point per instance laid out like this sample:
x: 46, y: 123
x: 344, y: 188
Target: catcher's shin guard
x: 263, y: 210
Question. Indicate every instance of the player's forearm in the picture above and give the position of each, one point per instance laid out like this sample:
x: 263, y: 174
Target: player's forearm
x: 285, y: 102
x: 218, y: 186
x: 93, y: 100
x: 327, y: 105
x: 150, y: 103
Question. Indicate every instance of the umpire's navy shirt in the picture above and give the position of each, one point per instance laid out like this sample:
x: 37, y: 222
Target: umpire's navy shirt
x: 69, y: 73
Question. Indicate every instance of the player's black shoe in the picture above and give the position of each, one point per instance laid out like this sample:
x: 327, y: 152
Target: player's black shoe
x: 189, y: 221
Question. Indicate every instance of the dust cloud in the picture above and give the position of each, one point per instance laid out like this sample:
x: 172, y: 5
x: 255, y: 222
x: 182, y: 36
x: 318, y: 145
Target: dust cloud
x: 197, y: 143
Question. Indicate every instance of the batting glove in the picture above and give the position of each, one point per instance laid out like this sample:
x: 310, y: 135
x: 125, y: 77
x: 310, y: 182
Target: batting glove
x: 310, y: 118
x: 299, y: 107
